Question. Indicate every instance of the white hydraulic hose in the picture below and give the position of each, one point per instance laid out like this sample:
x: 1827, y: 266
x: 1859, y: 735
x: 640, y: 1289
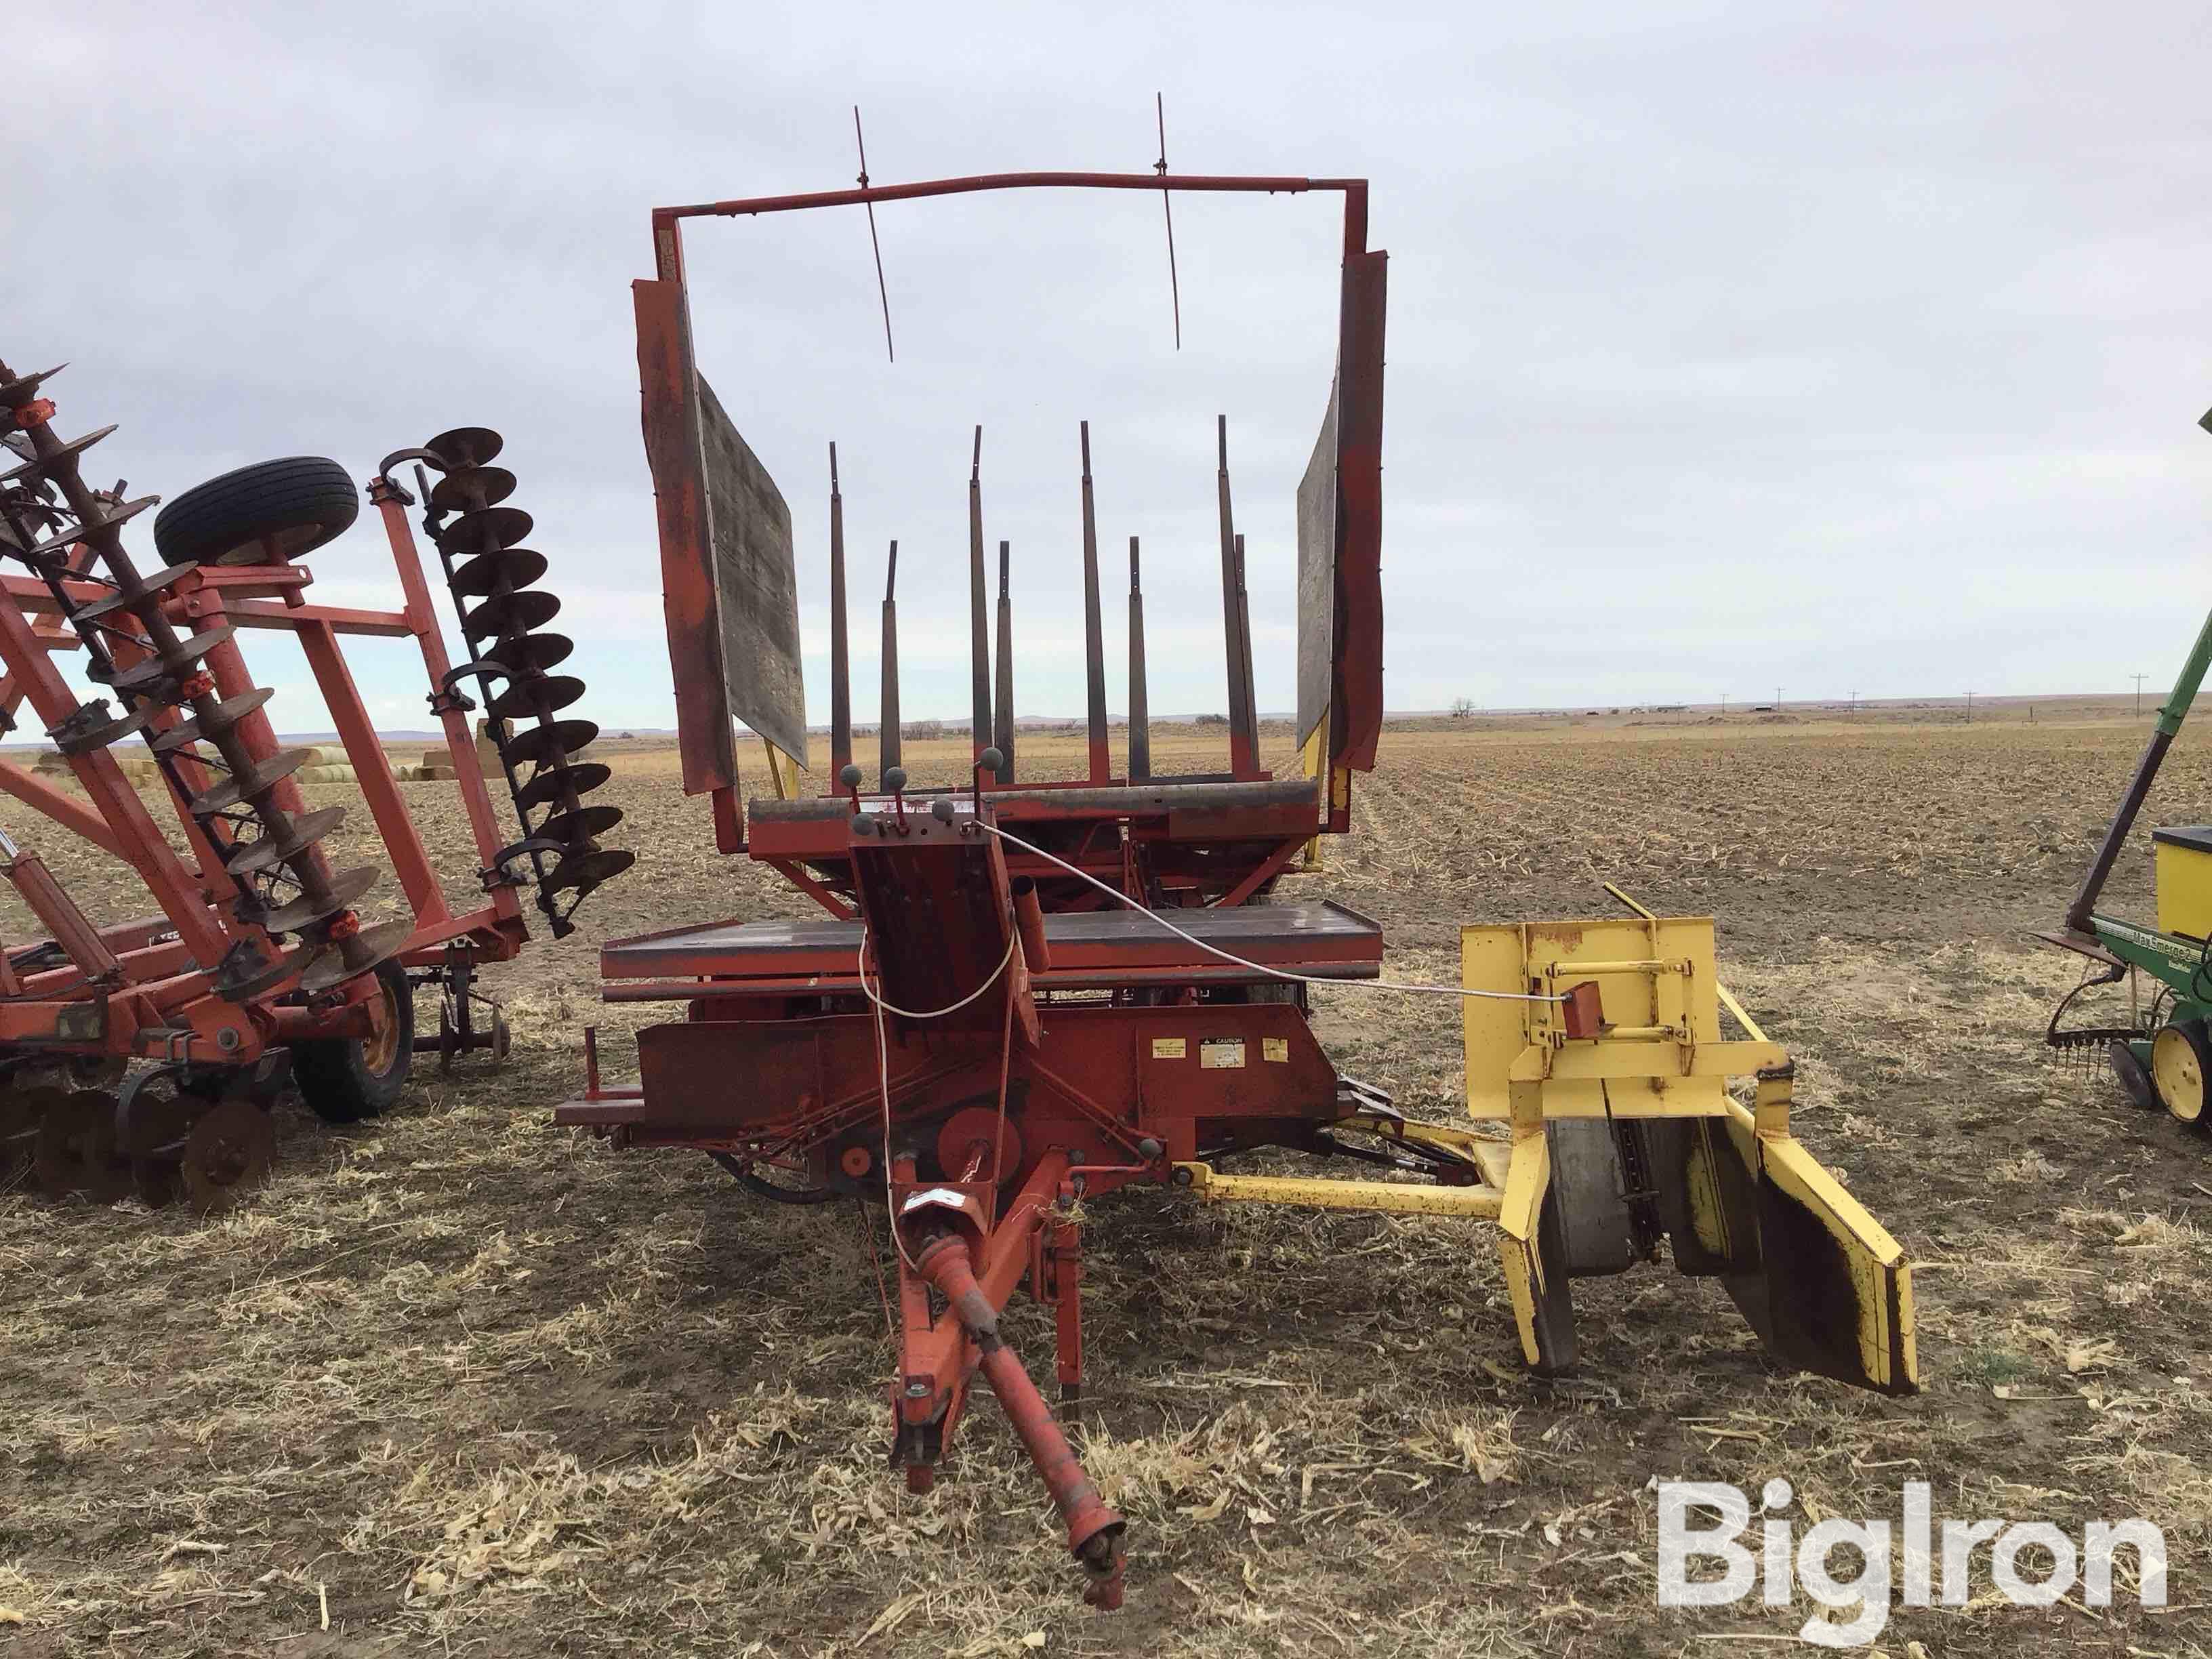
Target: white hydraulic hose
x: 1119, y: 896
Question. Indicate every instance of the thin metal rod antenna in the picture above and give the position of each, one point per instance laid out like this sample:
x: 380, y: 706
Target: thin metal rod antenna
x: 1167, y: 207
x: 883, y: 293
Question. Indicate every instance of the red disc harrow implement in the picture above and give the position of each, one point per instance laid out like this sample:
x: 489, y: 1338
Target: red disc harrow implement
x: 259, y: 968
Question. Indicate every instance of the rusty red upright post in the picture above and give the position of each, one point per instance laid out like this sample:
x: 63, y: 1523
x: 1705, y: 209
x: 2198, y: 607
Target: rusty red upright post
x: 1094, y: 642
x: 1244, y: 748
x: 840, y: 672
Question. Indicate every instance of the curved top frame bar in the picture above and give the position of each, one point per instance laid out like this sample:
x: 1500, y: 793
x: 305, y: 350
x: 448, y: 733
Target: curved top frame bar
x: 667, y: 243
x: 1233, y: 183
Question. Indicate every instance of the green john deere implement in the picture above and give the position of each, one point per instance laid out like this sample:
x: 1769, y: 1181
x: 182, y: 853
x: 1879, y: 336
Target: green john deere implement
x: 2163, y: 1055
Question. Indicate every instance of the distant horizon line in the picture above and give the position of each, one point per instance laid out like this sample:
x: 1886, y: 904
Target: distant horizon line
x: 1846, y: 703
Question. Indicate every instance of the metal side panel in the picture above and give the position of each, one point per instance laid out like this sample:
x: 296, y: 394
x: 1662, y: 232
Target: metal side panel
x: 1838, y: 1290
x: 1316, y: 521
x: 756, y: 584
x: 1356, y: 637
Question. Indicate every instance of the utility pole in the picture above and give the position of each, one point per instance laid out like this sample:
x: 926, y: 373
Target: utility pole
x: 1855, y: 705
x: 1723, y: 705
x: 1778, y: 699
x: 1970, y: 708
x: 2139, y: 679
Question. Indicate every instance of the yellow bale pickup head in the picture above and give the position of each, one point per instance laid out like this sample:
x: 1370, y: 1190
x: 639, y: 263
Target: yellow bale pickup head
x: 1625, y: 1131
x: 1597, y: 1046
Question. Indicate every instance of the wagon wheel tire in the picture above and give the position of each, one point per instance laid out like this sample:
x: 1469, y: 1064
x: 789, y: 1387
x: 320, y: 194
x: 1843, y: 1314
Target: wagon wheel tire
x: 2180, y: 1064
x: 2131, y: 1074
x: 346, y: 1079
x: 265, y: 514
x: 745, y: 1173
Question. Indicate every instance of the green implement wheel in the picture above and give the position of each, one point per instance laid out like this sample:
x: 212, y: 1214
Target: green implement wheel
x: 2180, y: 1062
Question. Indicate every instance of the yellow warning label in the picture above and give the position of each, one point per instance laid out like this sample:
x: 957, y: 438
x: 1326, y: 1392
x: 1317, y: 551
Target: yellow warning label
x: 1275, y: 1049
x: 1166, y: 1048
x: 1220, y: 1054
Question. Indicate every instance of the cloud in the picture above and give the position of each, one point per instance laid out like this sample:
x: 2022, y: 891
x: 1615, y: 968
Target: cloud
x: 1727, y: 346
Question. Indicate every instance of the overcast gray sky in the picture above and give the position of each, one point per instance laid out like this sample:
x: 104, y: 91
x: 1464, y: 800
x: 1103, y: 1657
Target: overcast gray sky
x: 1730, y: 346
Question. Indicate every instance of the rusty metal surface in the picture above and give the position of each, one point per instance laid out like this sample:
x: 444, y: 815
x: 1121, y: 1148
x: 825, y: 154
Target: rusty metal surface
x: 1243, y: 184
x: 1356, y: 644
x: 1140, y: 728
x: 670, y: 415
x: 1280, y: 934
x: 840, y: 676
x: 1156, y: 799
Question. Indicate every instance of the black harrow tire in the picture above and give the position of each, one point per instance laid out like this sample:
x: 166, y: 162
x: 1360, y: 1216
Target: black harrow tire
x: 259, y: 515
x: 346, y: 1079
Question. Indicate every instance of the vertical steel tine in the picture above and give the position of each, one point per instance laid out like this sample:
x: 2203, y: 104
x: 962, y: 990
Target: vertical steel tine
x: 979, y: 609
x: 887, y: 742
x: 1167, y: 207
x: 1244, y: 750
x: 1101, y: 766
x: 1004, y: 732
x: 1244, y: 650
x: 841, y: 681
x: 1141, y: 732
x: 882, y: 292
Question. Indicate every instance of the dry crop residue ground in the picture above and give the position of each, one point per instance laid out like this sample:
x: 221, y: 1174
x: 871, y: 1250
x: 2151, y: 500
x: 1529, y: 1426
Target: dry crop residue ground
x: 457, y: 1383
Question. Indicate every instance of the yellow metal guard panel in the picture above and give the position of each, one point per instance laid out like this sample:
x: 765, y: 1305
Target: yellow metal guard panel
x: 1515, y: 958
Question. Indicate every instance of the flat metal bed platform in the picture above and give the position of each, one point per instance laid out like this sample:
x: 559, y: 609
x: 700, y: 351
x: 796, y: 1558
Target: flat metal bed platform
x: 1088, y: 949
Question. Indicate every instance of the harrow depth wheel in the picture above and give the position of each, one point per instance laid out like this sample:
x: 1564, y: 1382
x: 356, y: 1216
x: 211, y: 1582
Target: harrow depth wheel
x: 345, y: 1080
x: 2180, y: 1061
x: 267, y: 512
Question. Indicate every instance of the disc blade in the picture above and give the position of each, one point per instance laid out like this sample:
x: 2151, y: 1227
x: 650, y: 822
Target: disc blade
x: 538, y: 694
x: 528, y: 651
x: 585, y: 871
x: 307, y: 829
x: 227, y: 1155
x: 467, y: 487
x: 466, y: 446
x: 582, y: 777
x: 512, y: 613
x: 584, y: 824
x: 549, y: 742
x: 514, y: 567
x: 485, y: 529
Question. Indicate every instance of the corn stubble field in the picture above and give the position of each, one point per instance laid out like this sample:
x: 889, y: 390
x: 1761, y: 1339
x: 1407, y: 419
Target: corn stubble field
x: 457, y: 1383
